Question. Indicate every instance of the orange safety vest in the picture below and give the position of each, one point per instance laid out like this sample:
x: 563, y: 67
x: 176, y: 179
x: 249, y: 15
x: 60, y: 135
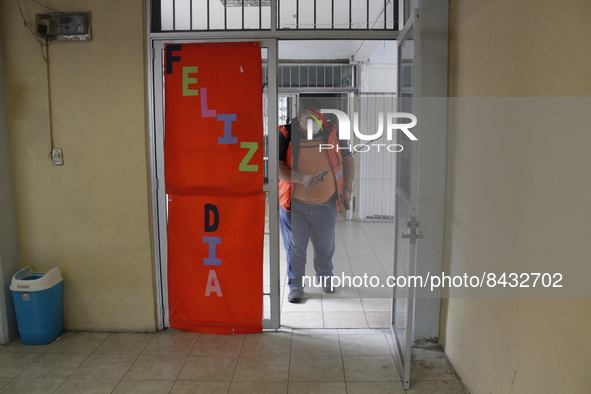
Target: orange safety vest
x: 335, y: 160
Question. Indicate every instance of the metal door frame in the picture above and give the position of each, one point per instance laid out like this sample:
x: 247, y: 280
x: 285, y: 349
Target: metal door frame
x: 403, y: 346
x: 159, y: 193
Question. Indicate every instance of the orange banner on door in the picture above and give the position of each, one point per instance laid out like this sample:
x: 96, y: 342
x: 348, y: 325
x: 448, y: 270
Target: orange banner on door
x: 213, y: 155
x: 214, y: 263
x: 213, y: 142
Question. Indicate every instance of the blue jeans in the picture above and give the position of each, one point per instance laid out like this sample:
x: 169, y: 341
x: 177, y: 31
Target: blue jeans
x: 308, y: 222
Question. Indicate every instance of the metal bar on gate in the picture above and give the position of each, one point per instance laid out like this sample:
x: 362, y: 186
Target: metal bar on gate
x: 382, y: 211
x: 243, y: 13
x: 173, y: 15
x: 392, y: 182
x: 275, y: 24
x: 396, y: 5
x: 374, y: 178
x: 367, y: 15
x: 335, y: 81
x: 350, y: 14
x: 383, y: 177
x: 332, y: 11
x: 156, y: 19
x: 385, y: 14
x: 314, y: 14
x: 306, y: 83
x: 316, y: 76
x: 208, y: 16
x: 191, y: 15
x: 261, y: 15
x: 297, y: 14
x: 225, y: 17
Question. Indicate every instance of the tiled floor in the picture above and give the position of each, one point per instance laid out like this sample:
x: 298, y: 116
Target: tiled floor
x: 284, y: 361
x: 362, y: 248
x: 335, y: 343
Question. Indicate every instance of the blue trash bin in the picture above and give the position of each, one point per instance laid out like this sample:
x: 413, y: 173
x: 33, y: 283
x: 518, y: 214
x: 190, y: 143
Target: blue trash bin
x: 38, y: 303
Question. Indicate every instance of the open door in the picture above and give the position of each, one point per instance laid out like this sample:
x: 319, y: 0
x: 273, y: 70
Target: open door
x: 406, y: 208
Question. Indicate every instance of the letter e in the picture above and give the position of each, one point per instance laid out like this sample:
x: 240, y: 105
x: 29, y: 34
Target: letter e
x: 187, y: 81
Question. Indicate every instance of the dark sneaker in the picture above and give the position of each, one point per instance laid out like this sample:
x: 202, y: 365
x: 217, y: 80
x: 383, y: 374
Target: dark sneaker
x: 327, y: 285
x: 295, y: 296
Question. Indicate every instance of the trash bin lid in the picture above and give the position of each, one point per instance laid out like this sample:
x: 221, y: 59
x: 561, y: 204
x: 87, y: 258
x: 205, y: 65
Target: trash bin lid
x: 27, y: 280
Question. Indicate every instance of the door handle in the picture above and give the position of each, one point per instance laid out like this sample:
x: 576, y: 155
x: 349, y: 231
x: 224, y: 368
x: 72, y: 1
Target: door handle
x: 412, y: 233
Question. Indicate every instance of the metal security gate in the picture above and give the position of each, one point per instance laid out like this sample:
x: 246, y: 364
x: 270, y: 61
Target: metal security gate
x: 377, y: 165
x: 210, y: 15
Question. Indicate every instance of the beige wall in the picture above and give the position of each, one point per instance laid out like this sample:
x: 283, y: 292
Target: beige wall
x: 91, y: 216
x: 9, y: 258
x: 518, y: 195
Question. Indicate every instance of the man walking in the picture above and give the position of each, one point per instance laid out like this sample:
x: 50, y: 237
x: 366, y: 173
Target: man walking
x: 315, y: 180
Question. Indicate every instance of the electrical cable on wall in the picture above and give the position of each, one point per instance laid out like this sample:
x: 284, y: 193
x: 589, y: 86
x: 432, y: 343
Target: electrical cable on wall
x: 28, y: 26
x: 44, y: 43
x: 49, y: 106
x: 43, y: 5
x: 56, y: 26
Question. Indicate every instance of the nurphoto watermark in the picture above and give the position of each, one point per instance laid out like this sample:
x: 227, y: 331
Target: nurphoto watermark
x: 392, y: 120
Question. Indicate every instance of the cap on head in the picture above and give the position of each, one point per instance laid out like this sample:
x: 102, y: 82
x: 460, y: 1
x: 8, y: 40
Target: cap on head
x: 309, y: 103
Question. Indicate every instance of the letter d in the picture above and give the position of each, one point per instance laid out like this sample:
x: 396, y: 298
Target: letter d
x: 211, y: 227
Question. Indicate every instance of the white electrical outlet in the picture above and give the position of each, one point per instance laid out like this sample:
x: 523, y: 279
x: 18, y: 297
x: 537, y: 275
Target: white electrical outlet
x: 57, y: 157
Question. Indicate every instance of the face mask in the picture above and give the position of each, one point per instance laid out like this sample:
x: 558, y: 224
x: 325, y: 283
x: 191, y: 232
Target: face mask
x: 315, y: 126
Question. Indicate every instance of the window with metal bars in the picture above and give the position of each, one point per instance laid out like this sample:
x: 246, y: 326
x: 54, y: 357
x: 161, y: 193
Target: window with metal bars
x: 317, y: 76
x: 208, y: 15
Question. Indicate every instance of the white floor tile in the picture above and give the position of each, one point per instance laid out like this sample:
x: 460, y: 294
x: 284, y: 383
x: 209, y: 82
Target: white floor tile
x: 302, y: 319
x: 341, y: 304
x: 345, y: 320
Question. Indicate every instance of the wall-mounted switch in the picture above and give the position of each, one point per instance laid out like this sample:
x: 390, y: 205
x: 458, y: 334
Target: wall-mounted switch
x: 57, y: 157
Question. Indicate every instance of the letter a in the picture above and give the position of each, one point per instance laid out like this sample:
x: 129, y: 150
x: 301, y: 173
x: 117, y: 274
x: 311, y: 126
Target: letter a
x: 213, y: 285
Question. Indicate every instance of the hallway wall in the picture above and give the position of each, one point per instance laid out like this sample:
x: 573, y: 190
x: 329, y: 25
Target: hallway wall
x: 90, y: 217
x: 518, y: 197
